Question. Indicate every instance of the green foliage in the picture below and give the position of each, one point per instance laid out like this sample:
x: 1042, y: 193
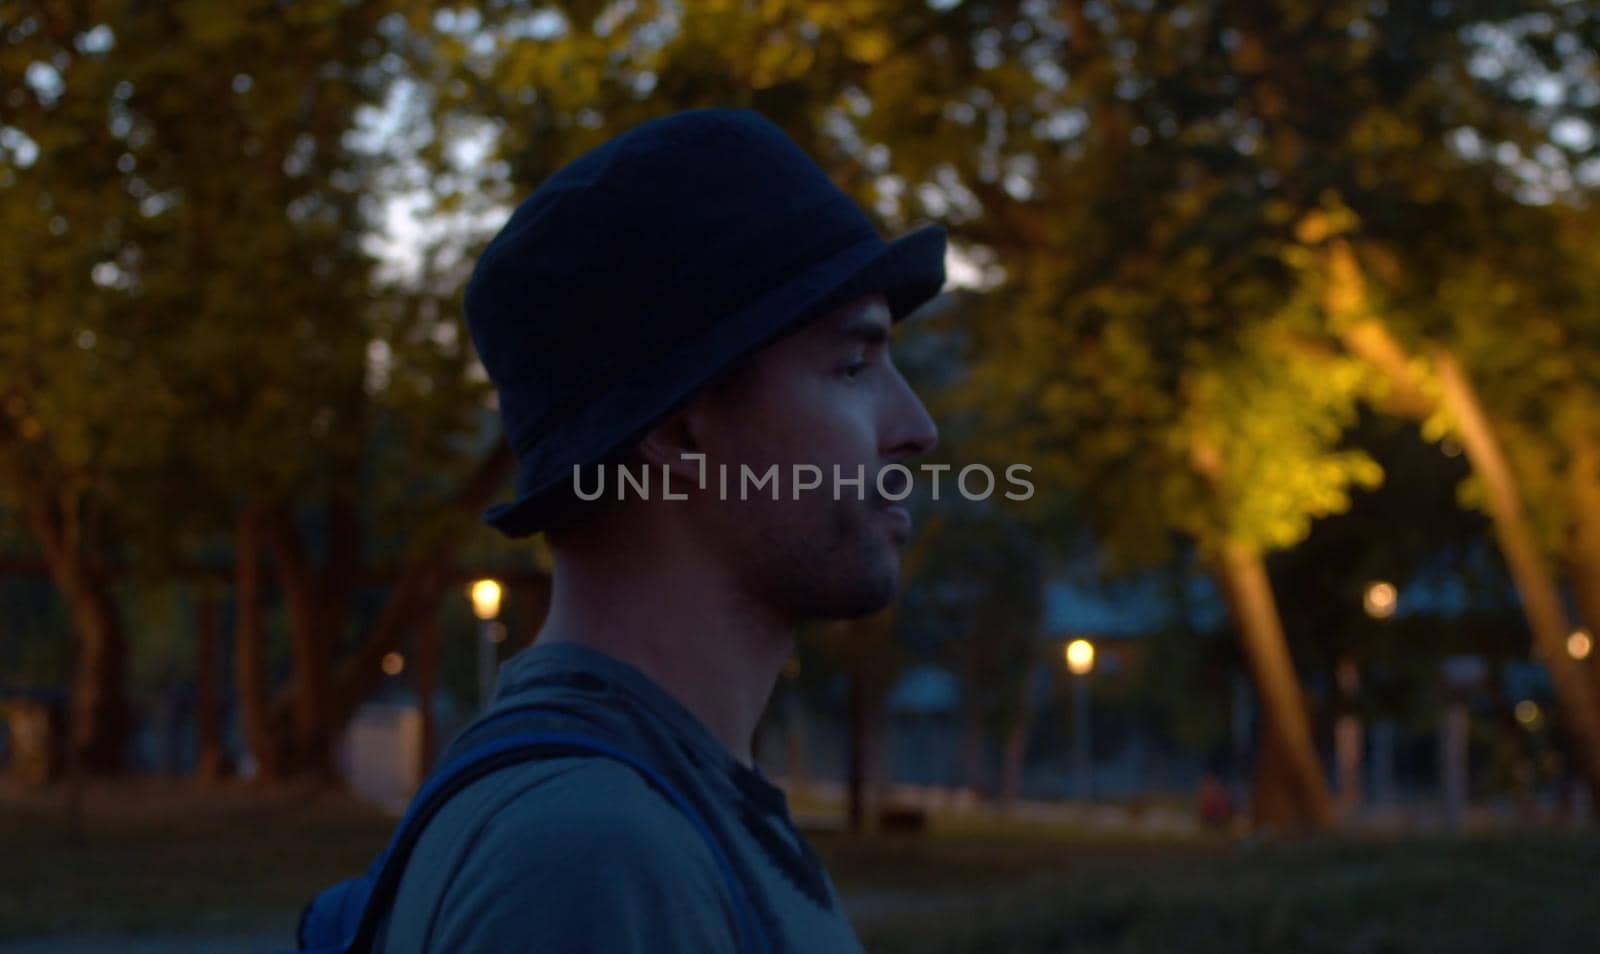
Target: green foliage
x: 1531, y: 336
x: 1148, y: 193
x: 191, y: 303
x: 190, y: 312
x: 193, y: 318
x: 1164, y: 338
x: 1276, y: 418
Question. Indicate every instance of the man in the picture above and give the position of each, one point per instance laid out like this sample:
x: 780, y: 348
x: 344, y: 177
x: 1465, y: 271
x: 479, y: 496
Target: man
x: 693, y: 301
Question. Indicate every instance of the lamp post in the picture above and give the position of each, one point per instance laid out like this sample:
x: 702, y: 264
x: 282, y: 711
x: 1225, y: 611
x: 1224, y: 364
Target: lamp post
x: 1462, y: 675
x: 1379, y: 600
x: 1348, y: 735
x: 486, y: 606
x: 1080, y: 661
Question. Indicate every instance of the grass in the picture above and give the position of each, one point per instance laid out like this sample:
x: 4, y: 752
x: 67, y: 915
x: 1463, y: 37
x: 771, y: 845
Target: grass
x: 1524, y: 892
x: 164, y: 859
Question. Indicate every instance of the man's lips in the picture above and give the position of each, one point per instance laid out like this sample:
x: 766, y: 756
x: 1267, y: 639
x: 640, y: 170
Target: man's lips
x: 898, y: 517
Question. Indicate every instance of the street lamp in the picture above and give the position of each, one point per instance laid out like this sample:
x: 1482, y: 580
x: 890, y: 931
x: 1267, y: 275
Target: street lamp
x: 486, y: 599
x: 1080, y: 661
x: 1380, y: 600
x: 1080, y: 657
x: 1579, y: 644
x: 486, y: 606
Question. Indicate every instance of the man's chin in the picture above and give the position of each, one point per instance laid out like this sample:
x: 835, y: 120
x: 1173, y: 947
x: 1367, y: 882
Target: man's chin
x: 868, y: 592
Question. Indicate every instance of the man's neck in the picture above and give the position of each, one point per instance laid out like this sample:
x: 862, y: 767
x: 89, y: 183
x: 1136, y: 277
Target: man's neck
x: 715, y: 654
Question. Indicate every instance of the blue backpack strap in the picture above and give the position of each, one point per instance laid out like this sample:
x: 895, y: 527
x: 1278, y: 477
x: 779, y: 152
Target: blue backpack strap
x: 329, y: 922
x: 480, y: 759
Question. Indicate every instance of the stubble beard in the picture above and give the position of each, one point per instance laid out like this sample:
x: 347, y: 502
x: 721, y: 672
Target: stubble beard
x: 831, y: 564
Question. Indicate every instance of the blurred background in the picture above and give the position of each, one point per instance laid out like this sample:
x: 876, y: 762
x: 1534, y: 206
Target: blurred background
x: 1292, y: 308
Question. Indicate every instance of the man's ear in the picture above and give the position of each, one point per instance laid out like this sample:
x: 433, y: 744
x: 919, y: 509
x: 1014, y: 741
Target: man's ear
x: 672, y: 444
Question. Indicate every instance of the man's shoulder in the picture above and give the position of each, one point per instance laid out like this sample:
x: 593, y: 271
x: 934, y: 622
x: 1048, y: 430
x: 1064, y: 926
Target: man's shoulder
x: 576, y: 817
x: 565, y: 848
x: 588, y: 799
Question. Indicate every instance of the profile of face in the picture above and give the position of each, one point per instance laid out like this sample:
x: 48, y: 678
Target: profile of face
x: 826, y: 395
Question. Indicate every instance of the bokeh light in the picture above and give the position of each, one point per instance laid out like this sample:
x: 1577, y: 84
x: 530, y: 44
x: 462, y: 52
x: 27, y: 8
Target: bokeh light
x: 1380, y: 600
x: 1080, y: 656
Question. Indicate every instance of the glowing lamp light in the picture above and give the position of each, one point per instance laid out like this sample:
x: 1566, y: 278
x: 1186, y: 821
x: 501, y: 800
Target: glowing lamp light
x: 1579, y: 644
x: 1380, y: 600
x: 1080, y: 656
x: 394, y: 664
x: 1527, y: 713
x: 486, y: 599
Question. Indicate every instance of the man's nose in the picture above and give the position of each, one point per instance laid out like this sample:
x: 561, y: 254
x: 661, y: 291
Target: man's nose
x: 911, y: 431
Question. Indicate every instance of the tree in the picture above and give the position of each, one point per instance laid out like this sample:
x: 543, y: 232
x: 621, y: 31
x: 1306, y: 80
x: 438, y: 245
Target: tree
x: 1441, y: 391
x: 1445, y: 123
x: 1191, y: 158
x: 193, y: 347
x: 73, y: 426
x: 955, y: 113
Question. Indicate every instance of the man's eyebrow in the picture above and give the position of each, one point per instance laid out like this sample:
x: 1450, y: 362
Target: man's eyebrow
x: 865, y: 327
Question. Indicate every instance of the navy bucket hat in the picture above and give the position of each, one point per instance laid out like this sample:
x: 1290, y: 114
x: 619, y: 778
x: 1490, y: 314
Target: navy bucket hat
x: 644, y: 268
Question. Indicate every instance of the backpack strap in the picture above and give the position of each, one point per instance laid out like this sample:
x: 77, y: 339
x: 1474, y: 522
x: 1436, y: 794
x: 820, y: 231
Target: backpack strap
x: 512, y: 748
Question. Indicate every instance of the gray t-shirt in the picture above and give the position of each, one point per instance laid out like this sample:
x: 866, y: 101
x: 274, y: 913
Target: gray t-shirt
x: 575, y: 854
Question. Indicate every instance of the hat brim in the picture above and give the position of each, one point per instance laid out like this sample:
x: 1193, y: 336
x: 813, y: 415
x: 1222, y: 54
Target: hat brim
x: 908, y: 272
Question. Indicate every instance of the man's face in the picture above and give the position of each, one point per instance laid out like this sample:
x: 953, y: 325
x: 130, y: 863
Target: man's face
x: 827, y: 395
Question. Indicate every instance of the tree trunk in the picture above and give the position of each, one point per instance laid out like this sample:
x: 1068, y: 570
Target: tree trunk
x: 210, y: 762
x: 250, y: 665
x: 311, y: 659
x: 1349, y: 739
x: 99, y: 706
x: 969, y: 754
x: 1291, y: 792
x: 99, y: 709
x: 419, y: 588
x: 1015, y: 750
x: 1274, y: 801
x: 336, y: 597
x: 1369, y: 339
x: 416, y: 595
x: 1541, y: 600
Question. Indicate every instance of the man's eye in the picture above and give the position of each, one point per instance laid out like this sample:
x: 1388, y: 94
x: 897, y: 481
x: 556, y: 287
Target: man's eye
x: 855, y: 367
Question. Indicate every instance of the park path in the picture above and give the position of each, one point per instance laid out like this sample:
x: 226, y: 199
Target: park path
x: 264, y: 943
x: 862, y: 906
